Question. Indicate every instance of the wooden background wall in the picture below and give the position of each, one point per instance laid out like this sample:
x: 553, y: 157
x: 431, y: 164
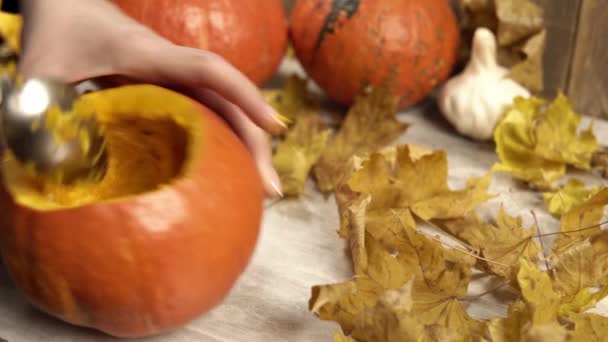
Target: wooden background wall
x: 576, y: 55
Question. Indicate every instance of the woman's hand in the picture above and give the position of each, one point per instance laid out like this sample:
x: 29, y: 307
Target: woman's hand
x: 76, y: 40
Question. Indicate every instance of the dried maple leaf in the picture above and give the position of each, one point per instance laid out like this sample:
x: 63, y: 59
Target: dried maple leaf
x: 292, y: 99
x: 419, y: 185
x: 600, y: 161
x: 343, y: 302
x: 571, y: 194
x: 410, y: 312
x: 529, y: 72
x: 10, y: 29
x: 588, y: 327
x: 369, y: 125
x: 542, y: 302
x: 299, y: 151
x: 393, y: 258
x: 433, y: 309
x: 535, y: 144
x: 509, y: 328
x: 538, y: 316
x: 517, y: 19
x: 583, y: 221
x: 520, y: 30
x: 345, y: 197
x: 585, y: 299
x: 503, y: 242
x: 574, y: 269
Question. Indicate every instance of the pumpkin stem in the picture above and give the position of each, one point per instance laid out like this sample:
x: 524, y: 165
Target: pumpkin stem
x: 483, y: 52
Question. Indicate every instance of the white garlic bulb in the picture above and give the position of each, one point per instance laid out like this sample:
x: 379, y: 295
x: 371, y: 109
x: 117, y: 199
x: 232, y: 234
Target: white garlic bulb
x: 474, y: 100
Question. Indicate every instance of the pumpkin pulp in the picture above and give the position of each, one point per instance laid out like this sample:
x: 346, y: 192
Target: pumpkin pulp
x: 147, y: 148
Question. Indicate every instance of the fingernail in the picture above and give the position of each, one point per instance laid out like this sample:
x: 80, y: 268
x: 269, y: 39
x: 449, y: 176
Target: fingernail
x: 276, y: 117
x: 277, y: 189
x: 275, y: 182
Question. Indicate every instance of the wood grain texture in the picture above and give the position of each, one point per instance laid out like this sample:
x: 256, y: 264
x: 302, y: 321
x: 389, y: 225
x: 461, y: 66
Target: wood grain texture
x: 561, y: 17
x: 588, y: 86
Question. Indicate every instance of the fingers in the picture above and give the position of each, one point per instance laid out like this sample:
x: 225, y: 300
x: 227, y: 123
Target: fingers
x: 174, y: 65
x: 253, y: 137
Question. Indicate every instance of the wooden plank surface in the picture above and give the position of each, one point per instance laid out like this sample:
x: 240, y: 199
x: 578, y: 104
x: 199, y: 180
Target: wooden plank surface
x: 561, y: 18
x: 588, y: 86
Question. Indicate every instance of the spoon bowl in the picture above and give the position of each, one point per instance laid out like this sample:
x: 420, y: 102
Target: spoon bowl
x: 23, y: 121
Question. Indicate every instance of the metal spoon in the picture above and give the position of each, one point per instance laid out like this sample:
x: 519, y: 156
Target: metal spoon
x: 23, y: 105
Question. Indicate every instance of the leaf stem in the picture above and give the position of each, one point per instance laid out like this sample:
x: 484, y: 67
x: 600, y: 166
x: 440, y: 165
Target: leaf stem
x: 462, y: 250
x: 573, y: 231
x: 540, y: 239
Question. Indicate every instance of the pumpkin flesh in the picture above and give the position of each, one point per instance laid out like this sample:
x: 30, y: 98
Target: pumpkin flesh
x: 160, y: 240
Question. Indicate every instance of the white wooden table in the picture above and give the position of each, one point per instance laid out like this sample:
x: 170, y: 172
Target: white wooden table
x: 299, y: 248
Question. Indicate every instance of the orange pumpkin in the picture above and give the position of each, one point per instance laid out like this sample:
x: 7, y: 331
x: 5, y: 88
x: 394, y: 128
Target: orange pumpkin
x: 409, y: 46
x: 159, y: 241
x: 251, y: 34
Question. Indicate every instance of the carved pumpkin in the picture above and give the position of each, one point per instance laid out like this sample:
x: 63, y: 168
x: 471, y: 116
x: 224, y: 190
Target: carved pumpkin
x: 251, y: 34
x: 160, y: 240
x: 409, y: 46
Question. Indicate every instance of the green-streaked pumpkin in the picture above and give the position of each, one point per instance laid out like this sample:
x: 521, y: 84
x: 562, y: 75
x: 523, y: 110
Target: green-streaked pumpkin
x: 408, y: 45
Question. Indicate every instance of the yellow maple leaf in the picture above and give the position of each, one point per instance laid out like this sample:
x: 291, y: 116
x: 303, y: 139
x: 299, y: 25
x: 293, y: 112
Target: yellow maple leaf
x: 588, y: 327
x: 600, y: 161
x: 370, y: 124
x: 10, y: 29
x: 503, y: 242
x: 574, y: 268
x: 585, y: 299
x: 571, y: 194
x: 420, y: 185
x: 292, y: 99
x: 299, y: 151
x: 542, y: 302
x: 536, y: 141
x: 509, y: 328
x: 10, y: 32
x: 345, y: 197
x: 408, y: 313
x: 343, y: 302
x: 518, y: 327
x: 582, y: 221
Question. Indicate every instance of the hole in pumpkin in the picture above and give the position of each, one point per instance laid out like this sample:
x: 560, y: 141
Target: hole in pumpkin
x: 143, y: 155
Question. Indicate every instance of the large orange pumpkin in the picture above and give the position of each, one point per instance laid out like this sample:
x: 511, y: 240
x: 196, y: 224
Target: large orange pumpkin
x: 408, y: 45
x: 159, y: 241
x: 251, y: 34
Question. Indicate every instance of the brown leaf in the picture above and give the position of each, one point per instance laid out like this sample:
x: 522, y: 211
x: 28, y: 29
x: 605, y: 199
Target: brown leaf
x: 589, y: 327
x: 398, y: 185
x: 530, y: 72
x: 299, y: 151
x: 574, y: 268
x: 504, y: 242
x: 342, y: 302
x: 541, y: 301
x: 520, y: 29
x: 292, y: 98
x: 600, y: 161
x: 582, y: 221
x: 369, y: 125
x: 517, y: 20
